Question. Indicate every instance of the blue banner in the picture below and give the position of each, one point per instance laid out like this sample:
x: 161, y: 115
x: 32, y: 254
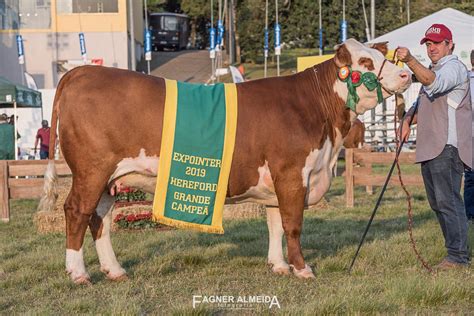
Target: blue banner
x: 212, y: 38
x: 277, y: 35
x: 19, y: 45
x: 220, y: 32
x: 147, y: 45
x: 147, y: 41
x: 82, y: 42
x: 343, y: 30
x: 21, y: 51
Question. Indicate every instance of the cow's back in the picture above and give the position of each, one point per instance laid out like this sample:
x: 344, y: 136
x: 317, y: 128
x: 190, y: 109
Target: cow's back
x: 108, y: 114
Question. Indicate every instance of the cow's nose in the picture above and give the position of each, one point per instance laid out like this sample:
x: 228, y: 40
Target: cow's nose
x: 404, y: 76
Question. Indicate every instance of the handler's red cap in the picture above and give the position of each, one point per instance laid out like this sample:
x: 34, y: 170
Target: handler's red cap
x: 437, y: 33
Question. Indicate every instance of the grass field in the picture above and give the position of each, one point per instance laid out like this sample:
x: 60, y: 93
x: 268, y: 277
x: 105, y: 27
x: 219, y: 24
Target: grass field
x: 167, y: 268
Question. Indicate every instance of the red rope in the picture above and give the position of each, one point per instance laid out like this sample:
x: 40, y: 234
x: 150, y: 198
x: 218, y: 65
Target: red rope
x: 410, y: 213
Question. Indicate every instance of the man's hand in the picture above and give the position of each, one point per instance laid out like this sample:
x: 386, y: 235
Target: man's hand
x: 403, y: 131
x: 404, y: 54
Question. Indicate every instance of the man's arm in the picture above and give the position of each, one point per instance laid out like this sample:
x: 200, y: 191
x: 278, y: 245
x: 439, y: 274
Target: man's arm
x: 36, y: 142
x: 404, y: 130
x: 423, y: 74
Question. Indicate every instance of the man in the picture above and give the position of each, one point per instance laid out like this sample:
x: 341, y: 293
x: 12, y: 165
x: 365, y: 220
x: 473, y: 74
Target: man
x: 444, y: 136
x: 469, y: 173
x: 43, y: 136
x: 7, y: 142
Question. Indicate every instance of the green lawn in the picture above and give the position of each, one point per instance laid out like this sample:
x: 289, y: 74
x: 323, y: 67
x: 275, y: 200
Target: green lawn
x: 167, y: 268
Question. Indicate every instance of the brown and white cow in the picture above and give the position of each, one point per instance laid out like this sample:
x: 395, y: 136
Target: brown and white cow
x: 355, y: 136
x: 289, y: 133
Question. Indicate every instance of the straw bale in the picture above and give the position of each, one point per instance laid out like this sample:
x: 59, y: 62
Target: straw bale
x: 55, y: 222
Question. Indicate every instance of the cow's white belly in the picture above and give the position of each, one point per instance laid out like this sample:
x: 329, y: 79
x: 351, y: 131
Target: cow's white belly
x: 317, y: 172
x: 316, y: 176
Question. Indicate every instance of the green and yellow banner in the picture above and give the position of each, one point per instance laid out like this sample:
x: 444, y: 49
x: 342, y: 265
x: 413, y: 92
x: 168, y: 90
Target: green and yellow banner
x: 196, y: 155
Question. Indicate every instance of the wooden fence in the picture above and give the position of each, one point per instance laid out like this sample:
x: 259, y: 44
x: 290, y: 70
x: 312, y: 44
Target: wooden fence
x: 23, y: 179
x: 359, y: 171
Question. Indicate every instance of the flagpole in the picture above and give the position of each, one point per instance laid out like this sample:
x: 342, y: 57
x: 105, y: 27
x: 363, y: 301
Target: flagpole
x: 15, y: 129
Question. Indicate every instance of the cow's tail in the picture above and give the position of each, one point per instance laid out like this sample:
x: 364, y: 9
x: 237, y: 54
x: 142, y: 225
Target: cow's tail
x: 49, y: 195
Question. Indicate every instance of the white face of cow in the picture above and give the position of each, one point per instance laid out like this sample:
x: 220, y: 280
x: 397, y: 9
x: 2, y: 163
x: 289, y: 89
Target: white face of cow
x: 365, y: 59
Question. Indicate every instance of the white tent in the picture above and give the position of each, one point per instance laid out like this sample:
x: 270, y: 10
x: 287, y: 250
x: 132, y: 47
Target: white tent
x: 460, y: 24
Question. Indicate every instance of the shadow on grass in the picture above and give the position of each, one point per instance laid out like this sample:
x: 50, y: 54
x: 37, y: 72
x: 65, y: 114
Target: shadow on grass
x: 321, y: 238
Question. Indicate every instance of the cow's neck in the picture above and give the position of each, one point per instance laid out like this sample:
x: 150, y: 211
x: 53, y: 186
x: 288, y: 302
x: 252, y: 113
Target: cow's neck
x: 322, y: 84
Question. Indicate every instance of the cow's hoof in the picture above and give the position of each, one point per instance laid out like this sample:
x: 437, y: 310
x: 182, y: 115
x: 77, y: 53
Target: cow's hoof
x: 82, y: 280
x: 280, y: 268
x: 305, y: 273
x: 118, y: 277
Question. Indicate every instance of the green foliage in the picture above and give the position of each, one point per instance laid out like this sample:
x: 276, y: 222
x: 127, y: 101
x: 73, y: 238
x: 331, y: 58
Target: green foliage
x: 130, y: 195
x: 300, y: 19
x: 163, y: 6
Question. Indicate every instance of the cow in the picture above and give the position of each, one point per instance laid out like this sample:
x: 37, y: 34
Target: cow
x: 289, y: 132
x: 355, y: 137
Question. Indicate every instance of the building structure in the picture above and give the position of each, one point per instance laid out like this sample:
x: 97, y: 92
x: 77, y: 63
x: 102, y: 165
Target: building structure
x: 50, y: 31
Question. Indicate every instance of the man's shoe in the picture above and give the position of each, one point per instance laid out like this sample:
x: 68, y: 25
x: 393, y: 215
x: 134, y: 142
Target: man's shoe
x: 449, y: 265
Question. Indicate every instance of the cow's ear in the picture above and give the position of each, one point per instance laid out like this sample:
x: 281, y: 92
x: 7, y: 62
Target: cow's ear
x: 342, y: 56
x: 381, y: 47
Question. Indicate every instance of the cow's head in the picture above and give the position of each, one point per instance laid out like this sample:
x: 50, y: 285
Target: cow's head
x: 356, y: 60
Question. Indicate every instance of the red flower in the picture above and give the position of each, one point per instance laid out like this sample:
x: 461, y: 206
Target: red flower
x: 355, y: 77
x: 118, y: 218
x: 130, y: 218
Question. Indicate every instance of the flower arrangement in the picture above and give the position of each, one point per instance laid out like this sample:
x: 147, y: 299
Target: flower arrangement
x: 130, y: 195
x: 135, y: 221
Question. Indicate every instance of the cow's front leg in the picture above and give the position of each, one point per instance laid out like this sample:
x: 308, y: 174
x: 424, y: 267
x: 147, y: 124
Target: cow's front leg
x: 275, y: 234
x: 291, y: 194
x: 100, y: 229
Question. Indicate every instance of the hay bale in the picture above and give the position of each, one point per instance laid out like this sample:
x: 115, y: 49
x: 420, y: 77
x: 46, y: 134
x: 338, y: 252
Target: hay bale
x: 52, y: 222
x: 244, y: 211
x: 47, y: 222
x: 64, y: 186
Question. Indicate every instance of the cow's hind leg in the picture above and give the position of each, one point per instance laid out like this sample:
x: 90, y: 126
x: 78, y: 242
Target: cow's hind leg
x: 100, y: 229
x: 291, y: 194
x: 80, y: 205
x: 275, y: 234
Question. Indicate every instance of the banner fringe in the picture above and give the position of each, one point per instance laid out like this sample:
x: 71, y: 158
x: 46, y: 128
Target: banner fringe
x: 185, y: 225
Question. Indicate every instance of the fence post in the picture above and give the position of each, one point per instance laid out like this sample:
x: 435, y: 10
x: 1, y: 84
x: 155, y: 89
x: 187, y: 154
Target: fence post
x: 369, y: 189
x: 4, y: 201
x: 349, y: 177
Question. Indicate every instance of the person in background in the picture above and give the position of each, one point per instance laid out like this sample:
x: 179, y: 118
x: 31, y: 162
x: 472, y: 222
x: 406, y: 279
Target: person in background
x: 42, y: 136
x: 469, y: 173
x: 444, y: 137
x: 7, y: 142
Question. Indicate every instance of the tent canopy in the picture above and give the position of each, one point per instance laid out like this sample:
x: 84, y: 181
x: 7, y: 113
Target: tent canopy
x: 23, y: 96
x: 460, y: 24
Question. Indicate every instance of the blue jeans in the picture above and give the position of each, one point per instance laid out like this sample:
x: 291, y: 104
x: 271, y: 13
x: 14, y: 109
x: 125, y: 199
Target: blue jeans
x: 44, y: 154
x: 469, y: 193
x: 442, y: 177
